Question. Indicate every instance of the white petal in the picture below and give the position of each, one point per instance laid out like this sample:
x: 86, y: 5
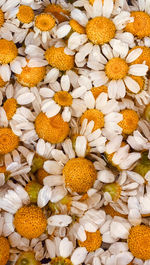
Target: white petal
x: 132, y: 56
x: 5, y: 72
x: 65, y: 247
x: 131, y: 84
x: 44, y: 196
x: 59, y: 220
x: 52, y: 167
x: 138, y: 69
x: 25, y: 98
x: 63, y: 31
x: 80, y: 146
x: 79, y: 255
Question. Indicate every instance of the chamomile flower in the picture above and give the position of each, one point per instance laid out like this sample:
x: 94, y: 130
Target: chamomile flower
x: 116, y: 71
x: 140, y: 11
x: 65, y: 254
x: 100, y: 28
x: 63, y: 99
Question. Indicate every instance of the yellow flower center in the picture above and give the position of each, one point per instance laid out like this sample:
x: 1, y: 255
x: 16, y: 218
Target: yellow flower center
x: 8, y: 51
x: 25, y: 14
x: 94, y: 115
x: 4, y: 250
x: 116, y: 68
x: 41, y: 174
x: 145, y: 56
x: 10, y: 107
x: 56, y: 57
x: 100, y: 30
x: 53, y: 130
x: 44, y: 22
x: 79, y: 174
x: 110, y: 210
x: 8, y: 141
x: 60, y: 261
x: 1, y: 18
x: 27, y: 258
x: 2, y: 83
x: 76, y: 26
x: 129, y: 122
x: 30, y: 222
x: 57, y: 11
x: 93, y: 241
x: 63, y: 98
x: 31, y: 76
x: 141, y: 25
x: 96, y: 91
x: 113, y: 189
x: 139, y: 241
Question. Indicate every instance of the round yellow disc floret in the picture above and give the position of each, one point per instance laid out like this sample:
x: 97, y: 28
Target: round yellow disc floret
x: 139, y: 241
x: 41, y: 174
x: 116, y: 68
x: 79, y: 174
x: 31, y: 76
x: 94, y: 115
x: 27, y: 258
x: 129, y: 122
x: 10, y: 107
x: 53, y: 130
x: 8, y: 141
x: 4, y: 250
x: 56, y: 57
x: 44, y: 22
x: 96, y: 91
x: 57, y: 11
x: 76, y: 26
x: 144, y: 57
x: 8, y: 51
x: 100, y: 30
x: 63, y: 98
x: 110, y: 210
x: 30, y: 222
x: 2, y: 82
x: 93, y: 241
x: 140, y: 27
x: 113, y: 189
x: 60, y: 261
x: 25, y: 14
x: 1, y: 18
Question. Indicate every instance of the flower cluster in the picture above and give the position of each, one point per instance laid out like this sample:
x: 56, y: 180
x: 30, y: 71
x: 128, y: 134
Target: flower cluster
x: 74, y: 132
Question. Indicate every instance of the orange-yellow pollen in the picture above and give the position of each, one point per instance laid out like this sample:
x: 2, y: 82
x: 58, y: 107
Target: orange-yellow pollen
x: 93, y: 241
x: 30, y: 222
x: 96, y: 91
x: 8, y: 51
x: 31, y: 76
x: 140, y: 27
x: 63, y: 98
x: 57, y: 11
x: 56, y: 57
x: 8, y: 141
x: 139, y: 241
x: 79, y: 174
x: 25, y: 14
x: 44, y: 22
x: 4, y: 250
x: 95, y: 115
x: 53, y: 130
x: 1, y: 18
x: 116, y: 68
x: 76, y: 26
x: 10, y: 107
x: 100, y: 30
x: 113, y: 189
x: 129, y: 122
x: 60, y: 261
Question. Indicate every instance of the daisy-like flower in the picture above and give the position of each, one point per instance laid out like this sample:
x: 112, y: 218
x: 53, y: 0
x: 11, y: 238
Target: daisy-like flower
x: 9, y: 60
x: 140, y: 28
x: 100, y: 28
x: 62, y: 251
x: 117, y: 193
x: 61, y: 98
x: 116, y: 71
